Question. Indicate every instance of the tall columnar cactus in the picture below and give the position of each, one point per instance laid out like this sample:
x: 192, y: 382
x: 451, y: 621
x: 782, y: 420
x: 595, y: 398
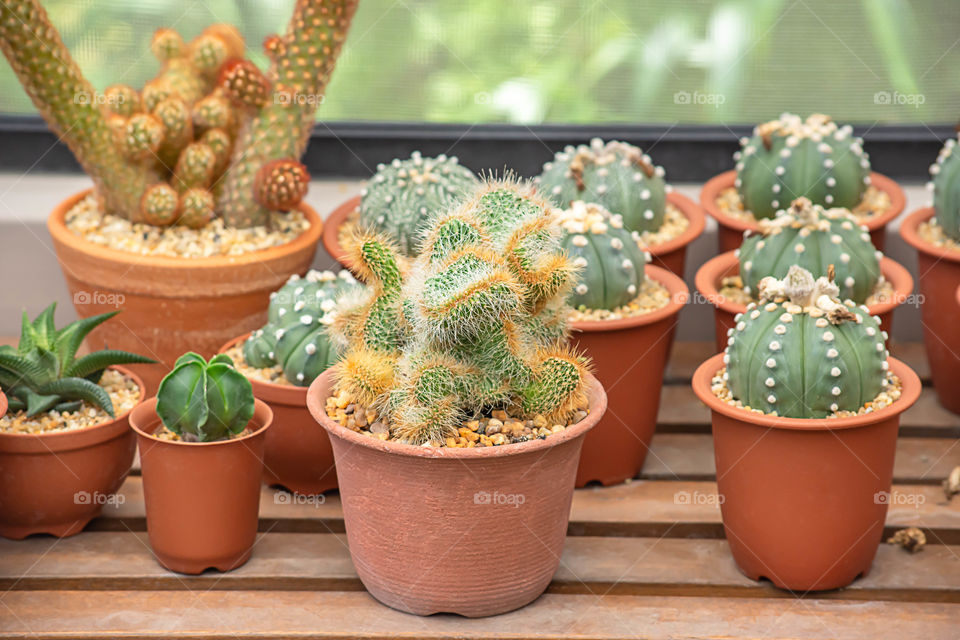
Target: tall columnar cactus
x: 816, y: 239
x: 400, y: 198
x: 790, y: 158
x: 801, y: 353
x: 477, y: 321
x: 945, y: 174
x: 209, y: 135
x: 617, y: 175
x: 612, y: 264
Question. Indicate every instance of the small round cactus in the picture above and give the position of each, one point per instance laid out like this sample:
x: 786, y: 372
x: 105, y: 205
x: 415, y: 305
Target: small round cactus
x: 946, y: 189
x: 791, y: 157
x: 402, y: 196
x: 813, y: 238
x: 617, y: 175
x: 610, y: 260
x: 801, y: 353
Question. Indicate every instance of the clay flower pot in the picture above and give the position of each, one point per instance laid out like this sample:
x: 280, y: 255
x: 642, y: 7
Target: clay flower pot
x: 57, y: 482
x: 173, y: 305
x: 629, y: 357
x: 730, y: 229
x: 470, y: 531
x: 939, y: 275
x: 713, y: 271
x: 202, y: 499
x: 804, y: 501
x: 296, y: 452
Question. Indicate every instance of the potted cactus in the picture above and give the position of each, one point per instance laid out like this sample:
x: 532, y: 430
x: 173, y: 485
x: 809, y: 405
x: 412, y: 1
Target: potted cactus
x: 816, y: 239
x: 934, y: 231
x: 65, y: 447
x: 624, y: 314
x: 280, y: 360
x: 479, y: 405
x: 806, y: 405
x: 201, y: 454
x: 623, y: 179
x: 792, y: 157
x: 398, y: 202
x: 196, y: 210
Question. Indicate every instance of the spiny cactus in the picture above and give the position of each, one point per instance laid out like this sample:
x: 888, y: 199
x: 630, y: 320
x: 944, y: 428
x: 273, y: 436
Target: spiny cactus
x: 209, y: 128
x: 816, y: 239
x: 790, y: 158
x: 477, y: 321
x: 295, y: 335
x: 945, y: 184
x: 612, y: 264
x: 801, y: 353
x: 401, y: 196
x: 617, y: 175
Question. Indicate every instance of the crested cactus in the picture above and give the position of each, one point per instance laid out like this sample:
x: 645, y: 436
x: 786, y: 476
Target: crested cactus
x: 617, y: 175
x: 945, y: 174
x: 401, y: 196
x: 612, y: 264
x: 790, y: 158
x: 801, y: 353
x: 816, y: 239
x: 478, y: 321
x: 210, y: 120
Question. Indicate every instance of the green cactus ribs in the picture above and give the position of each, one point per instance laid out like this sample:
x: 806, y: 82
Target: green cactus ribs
x: 945, y: 185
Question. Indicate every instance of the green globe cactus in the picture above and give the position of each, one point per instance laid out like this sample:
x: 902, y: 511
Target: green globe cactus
x: 615, y: 174
x: 791, y: 158
x: 816, y: 239
x: 945, y: 185
x: 400, y: 198
x: 611, y: 263
x: 801, y: 353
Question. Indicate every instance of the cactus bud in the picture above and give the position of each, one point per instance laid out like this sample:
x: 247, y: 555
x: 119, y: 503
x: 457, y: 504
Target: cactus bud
x: 160, y: 205
x: 167, y: 44
x: 195, y: 167
x: 280, y: 185
x: 196, y: 208
x: 122, y: 100
x: 142, y: 137
x: 244, y: 83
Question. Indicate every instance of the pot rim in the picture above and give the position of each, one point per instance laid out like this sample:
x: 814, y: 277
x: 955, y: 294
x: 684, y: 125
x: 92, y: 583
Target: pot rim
x: 910, y: 234
x: 57, y: 227
x: 271, y: 391
x: 910, y: 392
x: 149, y: 405
x: 712, y: 188
x: 679, y: 296
x: 709, y: 273
x: 316, y: 400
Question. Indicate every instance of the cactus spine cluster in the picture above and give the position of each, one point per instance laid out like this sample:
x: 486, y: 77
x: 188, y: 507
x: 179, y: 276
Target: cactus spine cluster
x: 816, y: 239
x: 611, y: 262
x: 945, y: 184
x: 401, y: 196
x: 210, y: 135
x: 295, y: 335
x: 790, y: 158
x: 617, y: 175
x: 801, y: 353
x: 477, y: 321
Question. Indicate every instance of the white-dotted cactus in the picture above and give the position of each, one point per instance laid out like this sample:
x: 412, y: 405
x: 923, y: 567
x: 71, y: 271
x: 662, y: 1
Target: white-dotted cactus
x: 945, y: 184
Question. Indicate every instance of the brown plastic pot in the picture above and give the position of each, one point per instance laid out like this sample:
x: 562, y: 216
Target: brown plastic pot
x: 296, y: 452
x: 713, y: 271
x: 629, y: 357
x: 938, y: 276
x: 804, y: 501
x: 202, y: 499
x: 57, y: 482
x: 730, y: 229
x: 475, y: 532
x: 173, y: 305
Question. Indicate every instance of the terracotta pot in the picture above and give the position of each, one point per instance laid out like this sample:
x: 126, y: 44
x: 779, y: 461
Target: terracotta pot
x: 296, y: 452
x: 804, y: 501
x: 173, y: 305
x: 669, y: 255
x: 58, y: 482
x: 713, y: 271
x: 730, y: 229
x: 629, y: 357
x: 470, y: 531
x: 939, y: 275
x: 202, y: 499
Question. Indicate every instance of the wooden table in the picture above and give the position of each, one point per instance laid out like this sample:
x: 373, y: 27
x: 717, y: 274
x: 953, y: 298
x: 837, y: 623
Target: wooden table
x: 636, y: 563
